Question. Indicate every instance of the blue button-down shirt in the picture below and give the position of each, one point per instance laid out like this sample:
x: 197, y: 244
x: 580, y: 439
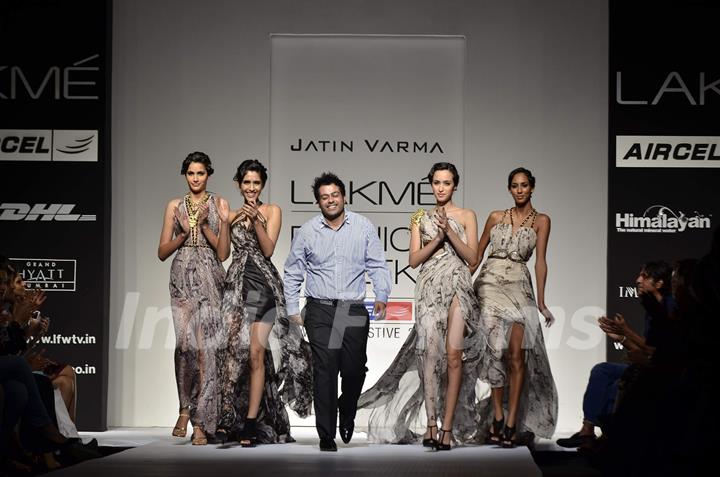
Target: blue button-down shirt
x: 334, y: 262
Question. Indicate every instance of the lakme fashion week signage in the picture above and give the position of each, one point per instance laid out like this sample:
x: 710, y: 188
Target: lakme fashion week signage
x: 664, y: 146
x: 55, y: 206
x: 378, y: 111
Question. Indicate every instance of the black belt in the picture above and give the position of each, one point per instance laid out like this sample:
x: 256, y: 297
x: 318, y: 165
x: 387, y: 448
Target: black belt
x: 335, y: 303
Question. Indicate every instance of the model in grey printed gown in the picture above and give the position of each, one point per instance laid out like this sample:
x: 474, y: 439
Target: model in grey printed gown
x: 437, y: 368
x: 190, y: 230
x: 516, y: 355
x: 265, y: 363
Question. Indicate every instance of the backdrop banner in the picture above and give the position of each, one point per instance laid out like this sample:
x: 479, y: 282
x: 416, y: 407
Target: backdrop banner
x: 378, y: 111
x: 664, y: 144
x: 55, y: 199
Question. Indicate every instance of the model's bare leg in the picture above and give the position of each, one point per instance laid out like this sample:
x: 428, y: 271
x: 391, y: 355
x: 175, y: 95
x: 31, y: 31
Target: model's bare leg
x: 454, y: 350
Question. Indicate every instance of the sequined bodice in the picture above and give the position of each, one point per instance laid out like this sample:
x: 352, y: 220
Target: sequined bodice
x: 517, y: 246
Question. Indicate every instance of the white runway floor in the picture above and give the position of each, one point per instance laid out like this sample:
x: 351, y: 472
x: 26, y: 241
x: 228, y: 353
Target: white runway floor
x: 157, y: 454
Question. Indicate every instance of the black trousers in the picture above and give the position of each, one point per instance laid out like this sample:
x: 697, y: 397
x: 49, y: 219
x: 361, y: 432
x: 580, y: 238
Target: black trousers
x: 338, y: 334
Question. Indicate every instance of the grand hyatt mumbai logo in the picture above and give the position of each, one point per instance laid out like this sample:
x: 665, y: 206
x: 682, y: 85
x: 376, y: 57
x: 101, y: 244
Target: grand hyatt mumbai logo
x: 48, y: 274
x: 57, y: 145
x: 660, y: 219
x: 367, y: 145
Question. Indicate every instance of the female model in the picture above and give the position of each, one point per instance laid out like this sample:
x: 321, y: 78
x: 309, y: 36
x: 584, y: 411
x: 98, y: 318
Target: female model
x: 254, y: 306
x: 191, y: 228
x: 443, y: 349
x: 510, y: 316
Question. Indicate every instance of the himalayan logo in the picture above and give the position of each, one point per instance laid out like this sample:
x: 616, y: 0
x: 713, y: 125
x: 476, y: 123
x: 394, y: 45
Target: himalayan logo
x: 660, y: 219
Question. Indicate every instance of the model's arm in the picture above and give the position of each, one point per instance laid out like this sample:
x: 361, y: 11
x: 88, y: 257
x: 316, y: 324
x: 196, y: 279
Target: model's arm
x: 492, y: 219
x: 205, y: 228
x: 418, y: 253
x: 466, y: 251
x: 376, y: 265
x: 543, y: 234
x: 295, y: 267
x: 223, y: 238
x: 168, y: 243
x: 268, y: 237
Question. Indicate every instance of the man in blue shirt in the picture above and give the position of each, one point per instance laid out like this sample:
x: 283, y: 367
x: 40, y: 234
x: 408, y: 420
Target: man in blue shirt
x: 331, y: 253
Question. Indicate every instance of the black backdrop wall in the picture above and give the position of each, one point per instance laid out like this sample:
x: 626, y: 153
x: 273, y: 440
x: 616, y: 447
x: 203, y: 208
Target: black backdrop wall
x: 664, y: 141
x: 55, y: 196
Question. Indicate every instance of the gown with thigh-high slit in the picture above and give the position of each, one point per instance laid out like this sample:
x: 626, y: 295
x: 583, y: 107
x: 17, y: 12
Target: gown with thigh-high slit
x: 254, y: 293
x: 505, y: 293
x: 417, y: 378
x: 196, y: 277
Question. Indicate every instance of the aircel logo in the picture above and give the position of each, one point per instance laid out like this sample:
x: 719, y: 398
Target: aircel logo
x: 667, y: 151
x: 660, y: 219
x: 60, y: 145
x: 43, y: 212
x: 49, y: 274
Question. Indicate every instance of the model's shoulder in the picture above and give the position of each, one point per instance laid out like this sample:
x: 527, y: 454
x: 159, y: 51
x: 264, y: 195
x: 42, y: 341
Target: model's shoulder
x: 269, y: 209
x: 496, y: 216
x: 542, y: 218
x: 468, y: 214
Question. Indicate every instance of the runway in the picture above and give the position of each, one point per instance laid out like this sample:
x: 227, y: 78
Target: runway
x: 156, y: 453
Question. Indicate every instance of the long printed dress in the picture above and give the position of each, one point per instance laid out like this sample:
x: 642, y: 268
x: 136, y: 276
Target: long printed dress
x: 505, y: 292
x: 253, y: 292
x: 196, y: 279
x: 417, y: 378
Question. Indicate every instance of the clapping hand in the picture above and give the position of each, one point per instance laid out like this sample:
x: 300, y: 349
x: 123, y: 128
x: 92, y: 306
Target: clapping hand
x: 616, y: 326
x: 223, y: 210
x: 250, y: 210
x: 203, y: 213
x: 182, y: 220
x: 26, y: 305
x: 38, y: 326
x: 441, y: 221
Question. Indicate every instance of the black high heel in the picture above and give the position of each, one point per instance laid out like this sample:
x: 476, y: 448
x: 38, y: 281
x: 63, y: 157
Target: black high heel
x: 508, y: 435
x: 496, y: 432
x: 221, y: 436
x: 430, y: 441
x: 248, y: 436
x: 440, y: 446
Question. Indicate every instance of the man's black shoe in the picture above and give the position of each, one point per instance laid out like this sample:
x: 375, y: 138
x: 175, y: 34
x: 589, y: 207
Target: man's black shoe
x: 576, y: 440
x: 347, y: 426
x: 328, y: 445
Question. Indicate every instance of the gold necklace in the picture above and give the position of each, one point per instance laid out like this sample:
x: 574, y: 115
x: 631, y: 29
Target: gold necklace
x: 193, y: 211
x: 532, y: 213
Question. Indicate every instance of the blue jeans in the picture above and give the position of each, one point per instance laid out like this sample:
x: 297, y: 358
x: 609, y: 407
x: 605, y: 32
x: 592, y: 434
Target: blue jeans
x: 22, y: 398
x: 601, y: 391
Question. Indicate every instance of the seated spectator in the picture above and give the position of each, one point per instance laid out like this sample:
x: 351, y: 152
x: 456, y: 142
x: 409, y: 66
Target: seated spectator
x: 639, y: 440
x: 653, y: 285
